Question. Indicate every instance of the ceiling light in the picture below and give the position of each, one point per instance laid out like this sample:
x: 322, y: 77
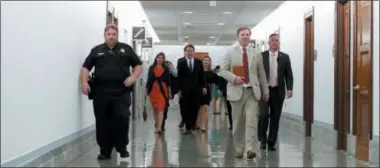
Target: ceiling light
x: 188, y: 12
x: 208, y: 44
x: 186, y: 37
x: 228, y: 13
x: 186, y: 23
x: 212, y: 3
x: 212, y: 37
x: 220, y: 24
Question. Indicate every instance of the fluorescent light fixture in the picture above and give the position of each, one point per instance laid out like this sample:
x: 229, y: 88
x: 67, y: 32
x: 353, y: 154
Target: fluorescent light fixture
x: 212, y: 3
x: 220, y: 24
x: 186, y: 23
x: 188, y: 12
x: 185, y: 36
x: 212, y: 37
x: 208, y: 44
x: 228, y: 13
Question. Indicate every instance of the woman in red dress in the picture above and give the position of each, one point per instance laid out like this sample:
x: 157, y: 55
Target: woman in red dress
x: 158, y: 89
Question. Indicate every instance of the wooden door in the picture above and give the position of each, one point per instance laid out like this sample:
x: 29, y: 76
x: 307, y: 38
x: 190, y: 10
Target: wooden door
x: 362, y: 82
x: 308, y: 90
x: 342, y: 73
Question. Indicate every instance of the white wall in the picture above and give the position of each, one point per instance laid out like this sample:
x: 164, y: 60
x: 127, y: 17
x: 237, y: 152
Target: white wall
x: 174, y: 52
x: 290, y: 18
x: 43, y: 47
x: 376, y: 69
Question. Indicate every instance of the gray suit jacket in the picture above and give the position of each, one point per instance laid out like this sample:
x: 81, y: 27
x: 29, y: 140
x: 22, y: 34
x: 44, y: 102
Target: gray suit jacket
x: 257, y: 76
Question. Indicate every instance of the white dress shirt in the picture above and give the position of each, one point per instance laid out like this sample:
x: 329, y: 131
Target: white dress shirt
x: 273, y: 64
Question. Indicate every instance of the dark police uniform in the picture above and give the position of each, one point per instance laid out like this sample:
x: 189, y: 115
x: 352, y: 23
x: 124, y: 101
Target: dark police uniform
x: 112, y: 100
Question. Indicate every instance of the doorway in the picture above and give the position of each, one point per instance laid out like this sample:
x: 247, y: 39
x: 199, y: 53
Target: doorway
x: 362, y: 77
x: 308, y: 84
x: 342, y: 73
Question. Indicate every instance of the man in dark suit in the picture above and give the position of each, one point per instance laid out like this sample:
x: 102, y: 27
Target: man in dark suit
x: 192, y: 85
x: 182, y: 123
x: 222, y: 85
x: 279, y: 73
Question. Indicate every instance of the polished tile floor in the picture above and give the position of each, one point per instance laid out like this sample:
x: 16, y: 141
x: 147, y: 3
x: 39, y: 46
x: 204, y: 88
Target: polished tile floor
x: 213, y: 149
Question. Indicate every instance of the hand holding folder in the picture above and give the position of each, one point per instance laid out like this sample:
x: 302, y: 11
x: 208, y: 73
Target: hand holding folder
x: 238, y: 71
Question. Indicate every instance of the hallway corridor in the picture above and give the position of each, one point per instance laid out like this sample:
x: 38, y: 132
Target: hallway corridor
x: 213, y: 149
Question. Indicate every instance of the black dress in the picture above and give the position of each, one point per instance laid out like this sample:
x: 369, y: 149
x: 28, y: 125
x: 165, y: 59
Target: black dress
x: 211, y: 78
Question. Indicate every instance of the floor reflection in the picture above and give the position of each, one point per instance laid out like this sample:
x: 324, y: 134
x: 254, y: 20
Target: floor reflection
x: 214, y: 149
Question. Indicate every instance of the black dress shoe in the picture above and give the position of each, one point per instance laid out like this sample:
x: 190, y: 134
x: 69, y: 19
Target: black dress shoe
x: 103, y: 157
x: 271, y: 148
x: 181, y: 125
x: 263, y: 146
x: 124, y: 154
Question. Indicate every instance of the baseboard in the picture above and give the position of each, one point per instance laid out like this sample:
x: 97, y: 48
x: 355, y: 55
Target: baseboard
x: 58, y: 153
x: 325, y: 133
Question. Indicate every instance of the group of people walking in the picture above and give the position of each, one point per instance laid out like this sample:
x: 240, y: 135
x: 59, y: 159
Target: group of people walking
x: 193, y: 81
x: 254, y: 85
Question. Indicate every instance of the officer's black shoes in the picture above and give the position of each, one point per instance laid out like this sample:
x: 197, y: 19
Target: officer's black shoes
x: 103, y: 157
x: 124, y: 154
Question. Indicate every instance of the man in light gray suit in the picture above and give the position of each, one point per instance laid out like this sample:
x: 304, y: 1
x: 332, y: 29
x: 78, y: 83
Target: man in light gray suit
x: 244, y: 91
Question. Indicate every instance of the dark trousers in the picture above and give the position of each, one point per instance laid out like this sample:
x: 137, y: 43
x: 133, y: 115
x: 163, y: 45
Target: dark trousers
x: 229, y: 111
x: 165, y: 116
x: 181, y: 110
x: 112, y: 114
x: 190, y: 106
x: 270, y: 111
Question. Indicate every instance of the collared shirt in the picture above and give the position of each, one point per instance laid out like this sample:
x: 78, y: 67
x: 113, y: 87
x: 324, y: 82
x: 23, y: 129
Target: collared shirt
x: 247, y: 48
x: 273, y: 64
x: 188, y: 60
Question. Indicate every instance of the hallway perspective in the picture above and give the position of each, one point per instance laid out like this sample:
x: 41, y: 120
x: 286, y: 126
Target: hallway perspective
x: 213, y: 149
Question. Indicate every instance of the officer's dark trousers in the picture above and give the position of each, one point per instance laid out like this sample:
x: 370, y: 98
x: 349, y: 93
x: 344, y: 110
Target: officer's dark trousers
x: 111, y: 108
x: 165, y: 116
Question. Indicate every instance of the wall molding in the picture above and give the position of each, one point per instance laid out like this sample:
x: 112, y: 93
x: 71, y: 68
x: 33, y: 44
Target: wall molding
x: 52, y: 150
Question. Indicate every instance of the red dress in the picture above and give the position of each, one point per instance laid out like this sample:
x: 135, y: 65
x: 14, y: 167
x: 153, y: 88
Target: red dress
x: 156, y: 98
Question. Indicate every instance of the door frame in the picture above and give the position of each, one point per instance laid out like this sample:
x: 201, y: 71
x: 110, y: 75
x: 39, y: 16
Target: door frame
x: 342, y: 74
x: 308, y: 84
x: 355, y: 74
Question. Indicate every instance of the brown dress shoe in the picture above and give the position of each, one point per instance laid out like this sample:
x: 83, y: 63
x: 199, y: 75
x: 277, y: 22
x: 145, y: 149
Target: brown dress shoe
x: 239, y: 155
x: 251, y: 155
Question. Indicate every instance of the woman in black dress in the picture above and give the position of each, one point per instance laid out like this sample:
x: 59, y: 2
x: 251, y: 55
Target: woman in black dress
x: 211, y: 78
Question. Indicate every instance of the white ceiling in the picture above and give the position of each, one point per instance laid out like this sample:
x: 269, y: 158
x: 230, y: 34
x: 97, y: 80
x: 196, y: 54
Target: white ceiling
x: 198, y: 23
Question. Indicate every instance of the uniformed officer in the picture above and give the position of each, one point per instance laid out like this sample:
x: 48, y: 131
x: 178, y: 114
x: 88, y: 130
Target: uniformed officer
x: 112, y: 87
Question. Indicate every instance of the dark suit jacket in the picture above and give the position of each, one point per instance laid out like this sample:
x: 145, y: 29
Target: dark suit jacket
x: 187, y: 79
x: 284, y: 72
x: 164, y: 78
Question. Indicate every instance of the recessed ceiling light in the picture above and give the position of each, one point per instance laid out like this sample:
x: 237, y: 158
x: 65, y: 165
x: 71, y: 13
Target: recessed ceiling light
x: 228, y: 13
x: 186, y: 23
x: 220, y: 24
x: 188, y: 12
x: 212, y: 36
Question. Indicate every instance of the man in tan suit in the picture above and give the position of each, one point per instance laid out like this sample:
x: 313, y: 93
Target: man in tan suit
x: 244, y: 91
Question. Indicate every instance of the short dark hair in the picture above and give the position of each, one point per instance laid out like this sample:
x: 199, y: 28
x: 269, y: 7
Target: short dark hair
x: 241, y: 29
x: 272, y: 35
x: 189, y: 45
x: 111, y: 26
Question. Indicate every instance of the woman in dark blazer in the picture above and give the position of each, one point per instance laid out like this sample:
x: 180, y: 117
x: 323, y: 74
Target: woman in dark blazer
x: 158, y: 89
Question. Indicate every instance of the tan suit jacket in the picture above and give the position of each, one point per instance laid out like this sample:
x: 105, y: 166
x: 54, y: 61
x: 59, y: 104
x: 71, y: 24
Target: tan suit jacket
x: 257, y: 76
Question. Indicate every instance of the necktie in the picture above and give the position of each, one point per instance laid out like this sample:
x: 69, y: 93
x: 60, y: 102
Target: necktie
x: 190, y: 66
x: 273, y: 70
x: 245, y: 65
